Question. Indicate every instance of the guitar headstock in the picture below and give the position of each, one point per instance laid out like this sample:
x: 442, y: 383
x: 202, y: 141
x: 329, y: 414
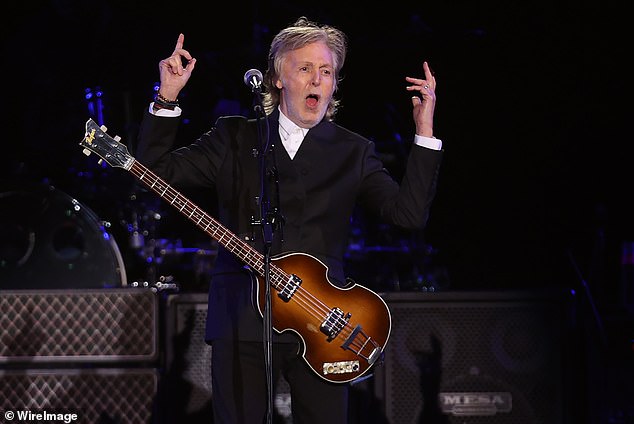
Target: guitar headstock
x: 107, y: 148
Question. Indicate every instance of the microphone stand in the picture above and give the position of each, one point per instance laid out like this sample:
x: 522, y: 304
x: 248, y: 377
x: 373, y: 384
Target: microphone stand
x: 270, y: 220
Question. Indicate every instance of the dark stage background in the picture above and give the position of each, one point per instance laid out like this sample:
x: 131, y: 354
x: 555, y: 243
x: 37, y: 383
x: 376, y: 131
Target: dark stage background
x: 535, y: 190
x: 537, y: 156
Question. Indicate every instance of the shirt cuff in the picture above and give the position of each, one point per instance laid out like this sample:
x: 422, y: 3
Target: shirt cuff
x: 166, y: 112
x: 429, y: 142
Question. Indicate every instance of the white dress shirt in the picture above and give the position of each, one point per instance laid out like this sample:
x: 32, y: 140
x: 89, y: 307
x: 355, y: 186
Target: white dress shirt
x: 292, y: 135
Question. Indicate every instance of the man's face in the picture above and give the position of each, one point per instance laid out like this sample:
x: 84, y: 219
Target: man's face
x: 307, y: 83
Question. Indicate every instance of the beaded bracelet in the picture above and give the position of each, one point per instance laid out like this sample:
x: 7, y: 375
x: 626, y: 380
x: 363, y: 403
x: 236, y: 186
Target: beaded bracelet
x: 165, y: 100
x: 161, y: 102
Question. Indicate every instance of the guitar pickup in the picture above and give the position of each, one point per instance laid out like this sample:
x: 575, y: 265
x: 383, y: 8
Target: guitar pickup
x: 289, y: 288
x: 334, y: 323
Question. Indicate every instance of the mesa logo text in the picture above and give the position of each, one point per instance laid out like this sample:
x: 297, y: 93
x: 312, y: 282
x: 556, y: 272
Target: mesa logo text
x: 475, y: 403
x: 33, y: 417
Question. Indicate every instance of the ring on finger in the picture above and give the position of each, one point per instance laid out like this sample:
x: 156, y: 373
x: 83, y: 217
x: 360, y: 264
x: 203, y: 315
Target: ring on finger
x: 426, y: 87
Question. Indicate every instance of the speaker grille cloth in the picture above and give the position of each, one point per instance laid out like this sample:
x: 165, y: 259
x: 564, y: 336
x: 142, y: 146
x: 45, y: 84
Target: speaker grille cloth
x: 96, y: 325
x: 198, y: 357
x: 508, y: 347
x: 189, y: 358
x: 96, y: 396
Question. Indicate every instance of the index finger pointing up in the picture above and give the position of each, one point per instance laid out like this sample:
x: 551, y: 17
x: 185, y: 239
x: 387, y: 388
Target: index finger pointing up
x: 179, y: 42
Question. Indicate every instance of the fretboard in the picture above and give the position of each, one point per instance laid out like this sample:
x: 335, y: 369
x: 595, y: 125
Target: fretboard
x: 240, y: 248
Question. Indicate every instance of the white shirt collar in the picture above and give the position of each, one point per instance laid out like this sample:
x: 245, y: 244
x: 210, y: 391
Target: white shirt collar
x: 288, y: 128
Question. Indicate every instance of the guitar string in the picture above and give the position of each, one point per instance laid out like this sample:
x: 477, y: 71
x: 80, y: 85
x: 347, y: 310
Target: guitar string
x: 191, y: 209
x: 311, y: 304
x: 308, y: 301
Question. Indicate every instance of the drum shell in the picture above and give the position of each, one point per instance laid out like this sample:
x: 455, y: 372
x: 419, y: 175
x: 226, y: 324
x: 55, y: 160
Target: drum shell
x: 50, y: 240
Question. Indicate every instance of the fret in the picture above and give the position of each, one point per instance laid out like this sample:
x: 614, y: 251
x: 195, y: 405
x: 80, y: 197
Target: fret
x: 356, y: 332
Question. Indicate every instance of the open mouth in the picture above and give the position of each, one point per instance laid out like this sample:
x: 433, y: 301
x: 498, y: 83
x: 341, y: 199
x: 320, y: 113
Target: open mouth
x: 312, y: 100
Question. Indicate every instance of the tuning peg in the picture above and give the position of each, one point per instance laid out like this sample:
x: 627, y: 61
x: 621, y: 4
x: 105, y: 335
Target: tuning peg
x: 87, y: 152
x: 117, y: 138
x: 100, y: 162
x: 103, y: 128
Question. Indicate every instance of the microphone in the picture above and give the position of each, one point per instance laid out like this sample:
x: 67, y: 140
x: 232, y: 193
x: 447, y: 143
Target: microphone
x: 253, y: 78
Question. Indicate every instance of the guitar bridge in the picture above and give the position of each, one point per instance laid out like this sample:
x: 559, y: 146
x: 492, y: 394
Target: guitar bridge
x: 363, y: 345
x: 334, y: 323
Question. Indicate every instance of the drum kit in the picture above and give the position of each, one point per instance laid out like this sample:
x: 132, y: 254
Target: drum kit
x: 49, y: 239
x: 386, y: 259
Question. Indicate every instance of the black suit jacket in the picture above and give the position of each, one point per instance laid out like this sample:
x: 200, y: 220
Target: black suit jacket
x: 333, y: 171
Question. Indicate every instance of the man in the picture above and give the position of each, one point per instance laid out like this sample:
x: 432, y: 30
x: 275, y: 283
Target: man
x: 321, y: 171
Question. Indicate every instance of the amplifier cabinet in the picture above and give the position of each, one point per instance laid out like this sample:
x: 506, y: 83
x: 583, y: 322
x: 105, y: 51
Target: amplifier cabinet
x: 78, y: 325
x: 477, y: 357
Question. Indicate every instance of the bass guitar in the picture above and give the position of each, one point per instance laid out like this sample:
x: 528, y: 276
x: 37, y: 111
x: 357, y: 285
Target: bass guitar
x: 343, y: 330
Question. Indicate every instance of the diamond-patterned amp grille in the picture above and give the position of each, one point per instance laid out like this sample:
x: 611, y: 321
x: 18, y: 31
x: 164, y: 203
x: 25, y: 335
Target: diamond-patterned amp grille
x: 97, y: 396
x: 78, y: 325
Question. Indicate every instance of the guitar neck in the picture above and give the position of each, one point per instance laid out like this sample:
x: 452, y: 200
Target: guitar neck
x: 243, y: 251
